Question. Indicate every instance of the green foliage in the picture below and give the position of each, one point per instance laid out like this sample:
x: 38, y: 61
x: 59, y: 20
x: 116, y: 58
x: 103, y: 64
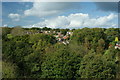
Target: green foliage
x: 60, y: 64
x: 64, y: 31
x: 33, y: 62
x: 36, y: 37
x: 35, y: 28
x: 88, y: 36
x: 15, y: 50
x: 9, y: 70
x: 45, y: 28
x: 101, y: 46
x: 112, y: 33
x: 17, y: 31
x: 9, y: 36
x: 40, y: 45
x: 87, y: 55
x: 110, y: 54
x: 5, y: 31
x: 95, y: 66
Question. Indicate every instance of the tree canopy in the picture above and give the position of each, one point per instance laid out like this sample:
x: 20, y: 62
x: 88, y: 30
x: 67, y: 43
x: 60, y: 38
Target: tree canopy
x: 90, y: 53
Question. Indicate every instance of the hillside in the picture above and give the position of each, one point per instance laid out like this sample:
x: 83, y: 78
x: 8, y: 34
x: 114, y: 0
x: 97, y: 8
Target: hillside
x: 60, y: 53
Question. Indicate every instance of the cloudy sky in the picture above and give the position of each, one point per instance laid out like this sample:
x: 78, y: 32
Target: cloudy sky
x: 60, y: 14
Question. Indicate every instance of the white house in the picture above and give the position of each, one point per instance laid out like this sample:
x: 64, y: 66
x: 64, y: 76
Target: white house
x: 117, y: 46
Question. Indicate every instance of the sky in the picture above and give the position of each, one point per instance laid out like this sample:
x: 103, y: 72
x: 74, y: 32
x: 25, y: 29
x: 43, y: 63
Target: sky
x: 60, y: 14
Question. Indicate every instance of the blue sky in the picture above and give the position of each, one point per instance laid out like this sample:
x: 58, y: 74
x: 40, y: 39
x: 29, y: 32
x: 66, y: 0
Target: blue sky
x: 60, y: 14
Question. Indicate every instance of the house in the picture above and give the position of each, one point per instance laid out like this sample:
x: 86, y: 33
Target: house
x: 56, y: 36
x: 69, y: 33
x: 60, y: 39
x: 117, y: 46
x: 60, y: 35
x: 65, y: 37
x: 65, y: 42
x: 46, y: 32
x: 54, y: 31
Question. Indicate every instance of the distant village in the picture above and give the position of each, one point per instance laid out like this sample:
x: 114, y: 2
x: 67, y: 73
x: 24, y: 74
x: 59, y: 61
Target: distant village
x: 65, y: 38
x: 61, y: 38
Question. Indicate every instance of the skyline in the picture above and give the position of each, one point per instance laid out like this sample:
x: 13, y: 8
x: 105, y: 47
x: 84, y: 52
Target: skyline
x: 60, y: 14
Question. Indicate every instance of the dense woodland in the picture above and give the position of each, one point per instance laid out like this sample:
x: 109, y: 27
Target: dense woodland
x: 90, y: 53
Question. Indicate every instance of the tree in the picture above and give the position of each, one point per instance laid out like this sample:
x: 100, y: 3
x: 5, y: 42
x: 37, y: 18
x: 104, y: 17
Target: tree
x: 5, y: 31
x: 17, y: 31
x: 36, y: 37
x: 101, y: 46
x: 35, y: 28
x: 87, y: 44
x: 91, y: 34
x: 34, y: 64
x: 64, y: 31
x: 111, y: 33
x: 60, y: 64
x: 45, y: 28
x: 116, y: 39
x: 96, y: 66
x: 14, y: 51
x: 40, y: 56
x: 9, y: 70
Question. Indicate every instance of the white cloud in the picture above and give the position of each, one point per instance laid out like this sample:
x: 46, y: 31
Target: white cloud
x: 14, y: 17
x: 42, y: 9
x: 5, y: 25
x: 78, y: 20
